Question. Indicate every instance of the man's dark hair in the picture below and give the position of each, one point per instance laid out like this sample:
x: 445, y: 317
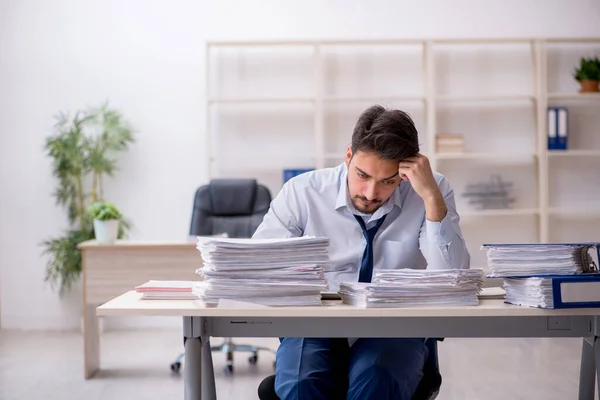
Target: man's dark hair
x: 391, y: 134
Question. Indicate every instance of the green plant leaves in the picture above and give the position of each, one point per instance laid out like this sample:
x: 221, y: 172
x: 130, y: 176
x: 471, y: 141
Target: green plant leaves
x: 104, y: 211
x: 83, y: 145
x: 67, y: 150
x: 64, y: 264
x: 588, y: 70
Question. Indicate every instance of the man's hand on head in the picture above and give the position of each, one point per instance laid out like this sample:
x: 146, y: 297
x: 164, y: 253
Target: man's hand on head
x: 417, y: 171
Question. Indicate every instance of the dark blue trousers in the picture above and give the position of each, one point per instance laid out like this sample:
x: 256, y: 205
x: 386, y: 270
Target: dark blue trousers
x: 378, y: 369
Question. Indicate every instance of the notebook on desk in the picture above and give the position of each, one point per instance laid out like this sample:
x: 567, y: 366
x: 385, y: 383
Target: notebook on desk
x: 166, y: 290
x: 330, y: 295
x: 492, y: 293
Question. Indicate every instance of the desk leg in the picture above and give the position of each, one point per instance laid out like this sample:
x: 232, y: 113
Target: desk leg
x: 199, y: 378
x: 91, y: 341
x: 590, y: 357
x: 597, y: 366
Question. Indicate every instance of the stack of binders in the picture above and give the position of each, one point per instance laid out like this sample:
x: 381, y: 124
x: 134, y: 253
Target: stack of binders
x: 555, y: 275
x: 558, y: 127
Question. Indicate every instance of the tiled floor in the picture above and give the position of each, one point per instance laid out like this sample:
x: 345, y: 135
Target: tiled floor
x: 135, y: 365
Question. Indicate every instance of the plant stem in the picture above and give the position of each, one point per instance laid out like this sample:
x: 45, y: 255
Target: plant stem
x: 80, y: 209
x: 93, y: 194
x: 100, y: 186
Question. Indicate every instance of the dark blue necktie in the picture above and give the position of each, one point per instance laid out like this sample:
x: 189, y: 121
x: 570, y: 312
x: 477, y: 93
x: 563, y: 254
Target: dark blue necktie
x: 366, y: 267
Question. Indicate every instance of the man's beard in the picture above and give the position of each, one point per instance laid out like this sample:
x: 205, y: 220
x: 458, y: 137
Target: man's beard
x: 369, y: 208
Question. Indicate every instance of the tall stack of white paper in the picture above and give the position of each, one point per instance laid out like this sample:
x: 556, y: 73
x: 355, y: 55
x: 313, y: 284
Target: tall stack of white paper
x: 272, y: 272
x: 507, y: 260
x: 413, y: 288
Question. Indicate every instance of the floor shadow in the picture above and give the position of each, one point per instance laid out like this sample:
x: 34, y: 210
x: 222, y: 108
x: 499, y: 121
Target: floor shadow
x: 135, y: 372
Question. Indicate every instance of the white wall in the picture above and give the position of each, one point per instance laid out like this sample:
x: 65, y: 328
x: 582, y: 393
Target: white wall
x: 147, y: 58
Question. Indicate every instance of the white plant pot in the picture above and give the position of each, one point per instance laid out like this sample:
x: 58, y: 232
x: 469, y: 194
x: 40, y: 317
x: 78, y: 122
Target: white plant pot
x: 106, y: 232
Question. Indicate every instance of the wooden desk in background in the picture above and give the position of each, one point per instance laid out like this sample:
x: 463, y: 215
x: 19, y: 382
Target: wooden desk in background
x: 110, y: 270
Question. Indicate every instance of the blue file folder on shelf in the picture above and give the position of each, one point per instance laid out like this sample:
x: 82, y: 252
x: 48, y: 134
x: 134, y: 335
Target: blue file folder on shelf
x: 554, y: 291
x: 558, y: 127
x: 290, y: 173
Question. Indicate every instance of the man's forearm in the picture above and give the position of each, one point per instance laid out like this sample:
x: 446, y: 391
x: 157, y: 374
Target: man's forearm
x: 435, y: 207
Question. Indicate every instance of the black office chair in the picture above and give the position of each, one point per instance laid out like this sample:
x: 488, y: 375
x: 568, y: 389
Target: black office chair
x: 428, y: 389
x: 235, y: 207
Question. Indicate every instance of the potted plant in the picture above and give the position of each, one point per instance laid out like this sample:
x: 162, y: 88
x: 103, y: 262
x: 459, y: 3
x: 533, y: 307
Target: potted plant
x: 83, y: 151
x: 106, y: 218
x: 588, y: 74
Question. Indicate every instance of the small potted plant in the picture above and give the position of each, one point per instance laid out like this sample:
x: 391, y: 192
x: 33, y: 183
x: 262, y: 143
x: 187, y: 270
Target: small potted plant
x: 588, y: 74
x: 106, y: 221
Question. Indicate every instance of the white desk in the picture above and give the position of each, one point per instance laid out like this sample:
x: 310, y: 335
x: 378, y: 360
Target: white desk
x: 492, y: 318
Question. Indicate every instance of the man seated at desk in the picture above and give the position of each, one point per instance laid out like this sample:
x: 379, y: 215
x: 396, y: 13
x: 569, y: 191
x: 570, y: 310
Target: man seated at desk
x: 382, y: 208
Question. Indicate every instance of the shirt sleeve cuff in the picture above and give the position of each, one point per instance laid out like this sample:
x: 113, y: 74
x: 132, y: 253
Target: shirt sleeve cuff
x: 440, y: 233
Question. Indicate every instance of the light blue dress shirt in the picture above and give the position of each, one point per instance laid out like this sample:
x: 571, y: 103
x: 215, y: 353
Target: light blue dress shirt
x: 317, y: 203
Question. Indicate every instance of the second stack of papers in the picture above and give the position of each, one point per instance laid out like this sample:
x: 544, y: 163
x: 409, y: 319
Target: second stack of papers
x: 506, y: 260
x: 414, y: 288
x: 272, y: 272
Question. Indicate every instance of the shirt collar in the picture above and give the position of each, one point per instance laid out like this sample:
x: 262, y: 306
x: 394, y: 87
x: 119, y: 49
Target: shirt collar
x: 343, y: 197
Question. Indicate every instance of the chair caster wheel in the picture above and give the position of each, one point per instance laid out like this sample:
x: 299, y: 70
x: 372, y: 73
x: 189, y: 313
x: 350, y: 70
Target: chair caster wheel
x: 253, y: 360
x: 229, y: 369
x: 175, y: 367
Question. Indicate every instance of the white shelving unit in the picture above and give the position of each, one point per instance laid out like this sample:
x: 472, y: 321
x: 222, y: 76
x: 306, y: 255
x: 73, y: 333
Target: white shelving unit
x: 277, y: 105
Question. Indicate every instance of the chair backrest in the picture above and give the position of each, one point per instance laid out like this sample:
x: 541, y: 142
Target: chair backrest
x: 232, y: 206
